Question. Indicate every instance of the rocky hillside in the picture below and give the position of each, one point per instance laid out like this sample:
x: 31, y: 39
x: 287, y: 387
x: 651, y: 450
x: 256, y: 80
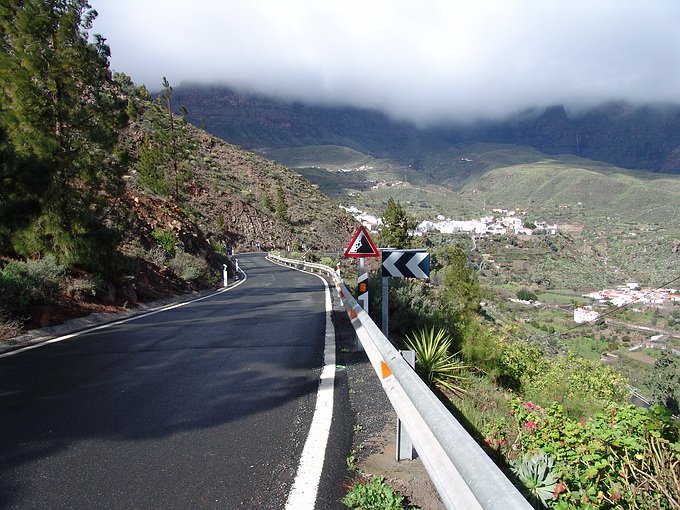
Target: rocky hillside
x: 230, y: 198
x: 229, y: 201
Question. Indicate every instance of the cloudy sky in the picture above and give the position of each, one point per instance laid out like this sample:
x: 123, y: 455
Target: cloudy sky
x: 423, y: 60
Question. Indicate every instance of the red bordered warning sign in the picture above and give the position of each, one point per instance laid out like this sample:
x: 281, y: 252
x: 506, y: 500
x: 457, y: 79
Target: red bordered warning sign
x: 362, y: 245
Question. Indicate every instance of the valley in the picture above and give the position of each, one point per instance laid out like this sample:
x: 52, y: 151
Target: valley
x: 611, y: 227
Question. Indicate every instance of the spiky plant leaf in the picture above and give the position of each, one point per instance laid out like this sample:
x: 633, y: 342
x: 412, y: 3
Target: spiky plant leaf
x: 434, y: 361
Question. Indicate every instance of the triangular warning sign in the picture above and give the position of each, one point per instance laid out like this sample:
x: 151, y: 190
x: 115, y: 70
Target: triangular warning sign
x: 361, y: 245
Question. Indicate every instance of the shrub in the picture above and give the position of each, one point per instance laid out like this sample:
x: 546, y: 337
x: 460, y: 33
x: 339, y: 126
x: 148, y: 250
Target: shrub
x: 526, y: 295
x: 165, y: 239
x: 30, y: 283
x: 373, y: 495
x: 582, y: 385
x: 82, y: 288
x: 625, y: 457
x: 481, y: 347
x: 189, y: 267
x: 8, y: 327
x: 519, y: 360
x: 157, y: 255
x: 327, y: 261
x: 434, y: 362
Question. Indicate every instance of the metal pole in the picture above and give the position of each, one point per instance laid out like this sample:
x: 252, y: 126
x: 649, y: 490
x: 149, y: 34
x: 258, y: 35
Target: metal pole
x: 385, y: 304
x: 362, y: 293
x: 362, y: 285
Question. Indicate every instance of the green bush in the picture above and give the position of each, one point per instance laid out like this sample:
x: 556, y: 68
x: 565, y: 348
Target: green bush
x: 373, y: 495
x: 582, y: 385
x: 30, y: 283
x: 327, y: 261
x: 189, y: 267
x: 165, y: 239
x: 526, y: 295
x: 519, y: 360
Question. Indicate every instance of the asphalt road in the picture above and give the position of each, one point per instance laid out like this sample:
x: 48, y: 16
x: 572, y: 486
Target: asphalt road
x: 202, y: 406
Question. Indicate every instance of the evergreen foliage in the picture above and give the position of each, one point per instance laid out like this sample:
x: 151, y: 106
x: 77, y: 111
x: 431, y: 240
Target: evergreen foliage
x: 461, y: 293
x: 434, y: 361
x: 281, y: 210
x: 526, y: 295
x: 163, y: 157
x: 60, y: 116
x: 396, y: 224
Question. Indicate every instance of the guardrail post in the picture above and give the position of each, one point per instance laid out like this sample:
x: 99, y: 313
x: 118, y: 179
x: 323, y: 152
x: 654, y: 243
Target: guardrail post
x: 385, y: 305
x: 404, y: 449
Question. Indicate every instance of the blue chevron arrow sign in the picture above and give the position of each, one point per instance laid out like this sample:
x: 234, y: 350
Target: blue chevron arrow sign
x: 406, y: 264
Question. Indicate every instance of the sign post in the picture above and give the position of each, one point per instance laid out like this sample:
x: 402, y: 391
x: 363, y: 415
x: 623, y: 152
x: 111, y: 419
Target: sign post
x: 401, y: 264
x: 362, y: 246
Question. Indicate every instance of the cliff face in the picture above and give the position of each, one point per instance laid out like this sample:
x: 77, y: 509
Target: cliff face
x: 639, y: 137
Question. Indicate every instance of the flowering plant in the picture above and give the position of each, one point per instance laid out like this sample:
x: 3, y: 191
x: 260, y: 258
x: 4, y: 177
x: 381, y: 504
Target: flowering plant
x: 612, y: 460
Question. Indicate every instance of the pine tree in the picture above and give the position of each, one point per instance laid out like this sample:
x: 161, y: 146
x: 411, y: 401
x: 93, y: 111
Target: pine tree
x: 396, y: 223
x: 60, y: 114
x: 281, y: 209
x: 162, y: 160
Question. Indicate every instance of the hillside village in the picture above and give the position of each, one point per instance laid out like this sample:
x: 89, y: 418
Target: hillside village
x: 632, y: 293
x: 501, y: 222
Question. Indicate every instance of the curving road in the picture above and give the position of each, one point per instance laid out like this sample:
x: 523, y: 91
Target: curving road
x: 203, y: 406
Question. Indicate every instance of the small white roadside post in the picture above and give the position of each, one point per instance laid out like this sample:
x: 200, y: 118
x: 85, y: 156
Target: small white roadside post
x: 225, y: 276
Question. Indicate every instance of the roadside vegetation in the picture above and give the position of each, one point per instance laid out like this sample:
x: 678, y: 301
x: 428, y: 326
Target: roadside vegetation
x: 107, y: 196
x: 557, y: 421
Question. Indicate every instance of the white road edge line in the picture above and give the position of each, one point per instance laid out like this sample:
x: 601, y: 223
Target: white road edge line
x: 123, y: 321
x: 306, y: 485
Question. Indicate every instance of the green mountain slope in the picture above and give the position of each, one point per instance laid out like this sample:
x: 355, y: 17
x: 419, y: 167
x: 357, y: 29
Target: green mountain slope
x: 470, y: 178
x: 591, y: 189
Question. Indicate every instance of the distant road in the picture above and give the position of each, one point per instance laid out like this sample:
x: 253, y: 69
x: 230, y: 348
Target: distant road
x: 649, y: 329
x: 202, y: 406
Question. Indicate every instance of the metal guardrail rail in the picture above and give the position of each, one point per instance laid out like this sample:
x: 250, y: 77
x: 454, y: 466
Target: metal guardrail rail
x: 465, y: 477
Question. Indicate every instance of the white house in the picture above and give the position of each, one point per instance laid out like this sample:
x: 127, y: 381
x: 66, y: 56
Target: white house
x: 583, y: 315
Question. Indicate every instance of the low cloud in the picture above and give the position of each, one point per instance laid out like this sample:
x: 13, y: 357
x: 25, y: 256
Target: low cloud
x: 429, y: 62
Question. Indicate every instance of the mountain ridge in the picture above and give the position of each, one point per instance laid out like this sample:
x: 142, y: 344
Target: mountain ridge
x: 643, y: 137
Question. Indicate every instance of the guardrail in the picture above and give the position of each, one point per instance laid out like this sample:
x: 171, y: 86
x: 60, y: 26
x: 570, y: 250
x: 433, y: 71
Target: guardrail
x: 465, y: 477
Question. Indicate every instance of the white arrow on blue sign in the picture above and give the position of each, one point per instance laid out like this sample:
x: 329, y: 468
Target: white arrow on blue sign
x: 406, y: 264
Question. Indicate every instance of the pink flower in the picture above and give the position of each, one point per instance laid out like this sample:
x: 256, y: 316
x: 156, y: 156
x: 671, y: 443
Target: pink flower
x: 530, y: 406
x: 530, y: 425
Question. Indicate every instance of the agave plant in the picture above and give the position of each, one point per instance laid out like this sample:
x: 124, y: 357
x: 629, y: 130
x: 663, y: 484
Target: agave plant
x: 535, y: 474
x: 434, y: 361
